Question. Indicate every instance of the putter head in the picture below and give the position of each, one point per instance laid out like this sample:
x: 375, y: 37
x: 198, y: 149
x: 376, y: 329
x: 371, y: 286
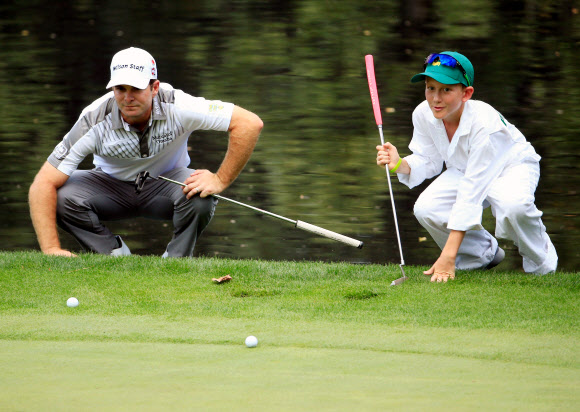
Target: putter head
x: 140, y: 181
x: 401, y: 279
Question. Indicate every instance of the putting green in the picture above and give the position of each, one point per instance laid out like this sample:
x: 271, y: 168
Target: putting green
x: 118, y: 375
x: 149, y: 334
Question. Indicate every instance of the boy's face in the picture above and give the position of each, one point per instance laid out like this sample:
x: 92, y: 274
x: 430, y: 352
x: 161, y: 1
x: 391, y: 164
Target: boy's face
x: 446, y: 100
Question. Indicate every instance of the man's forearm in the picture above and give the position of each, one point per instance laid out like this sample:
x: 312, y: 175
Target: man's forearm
x: 42, y: 200
x: 243, y: 138
x: 237, y: 155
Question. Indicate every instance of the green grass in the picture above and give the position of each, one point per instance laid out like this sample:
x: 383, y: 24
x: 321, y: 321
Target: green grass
x: 157, y: 334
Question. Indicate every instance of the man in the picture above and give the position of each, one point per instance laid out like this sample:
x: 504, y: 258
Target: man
x: 140, y: 125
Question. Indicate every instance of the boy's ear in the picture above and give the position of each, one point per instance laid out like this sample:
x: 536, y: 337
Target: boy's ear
x: 467, y: 93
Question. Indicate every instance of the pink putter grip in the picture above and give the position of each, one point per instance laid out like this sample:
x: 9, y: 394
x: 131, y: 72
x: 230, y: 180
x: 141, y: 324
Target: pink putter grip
x: 373, y: 88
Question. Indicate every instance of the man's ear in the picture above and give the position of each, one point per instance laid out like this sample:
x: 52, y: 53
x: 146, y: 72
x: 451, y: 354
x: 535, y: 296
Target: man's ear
x: 155, y: 87
x: 467, y: 93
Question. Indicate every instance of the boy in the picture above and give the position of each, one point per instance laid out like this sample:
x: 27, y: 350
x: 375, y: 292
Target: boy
x: 488, y: 163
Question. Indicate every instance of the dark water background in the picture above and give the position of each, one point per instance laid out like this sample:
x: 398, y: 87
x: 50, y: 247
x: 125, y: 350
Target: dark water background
x: 300, y: 66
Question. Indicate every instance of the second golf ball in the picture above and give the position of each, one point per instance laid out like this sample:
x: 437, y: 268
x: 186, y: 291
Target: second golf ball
x: 72, y: 302
x: 251, y: 341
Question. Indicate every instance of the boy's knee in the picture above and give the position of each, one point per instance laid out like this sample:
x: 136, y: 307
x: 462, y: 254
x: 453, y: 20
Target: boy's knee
x: 422, y: 209
x: 515, y: 211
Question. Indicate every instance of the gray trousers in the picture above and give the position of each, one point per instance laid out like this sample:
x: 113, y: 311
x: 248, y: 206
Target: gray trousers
x: 91, y: 196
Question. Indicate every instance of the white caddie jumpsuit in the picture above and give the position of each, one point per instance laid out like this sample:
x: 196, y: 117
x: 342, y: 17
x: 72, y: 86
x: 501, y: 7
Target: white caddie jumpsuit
x: 488, y: 163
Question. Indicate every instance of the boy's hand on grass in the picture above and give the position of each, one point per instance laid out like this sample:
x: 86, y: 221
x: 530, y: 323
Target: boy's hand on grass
x: 444, y: 267
x: 443, y: 270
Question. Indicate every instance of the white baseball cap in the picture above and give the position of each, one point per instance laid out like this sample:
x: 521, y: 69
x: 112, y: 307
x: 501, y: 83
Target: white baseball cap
x: 133, y: 67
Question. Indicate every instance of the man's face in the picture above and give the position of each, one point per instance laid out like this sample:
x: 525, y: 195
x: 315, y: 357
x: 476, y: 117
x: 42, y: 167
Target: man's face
x: 135, y: 104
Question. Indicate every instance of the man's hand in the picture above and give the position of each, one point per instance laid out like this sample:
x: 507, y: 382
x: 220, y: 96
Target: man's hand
x: 55, y: 251
x: 203, y: 183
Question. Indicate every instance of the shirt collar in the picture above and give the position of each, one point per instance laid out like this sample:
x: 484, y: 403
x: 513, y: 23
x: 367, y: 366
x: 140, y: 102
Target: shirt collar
x: 117, y: 121
x: 158, y: 112
x: 466, y: 120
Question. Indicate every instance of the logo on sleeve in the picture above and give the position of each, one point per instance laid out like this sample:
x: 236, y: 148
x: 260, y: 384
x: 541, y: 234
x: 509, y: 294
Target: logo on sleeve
x: 215, y: 107
x: 60, y: 151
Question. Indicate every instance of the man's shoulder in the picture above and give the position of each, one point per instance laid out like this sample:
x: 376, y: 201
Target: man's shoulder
x: 98, y: 110
x: 182, y: 102
x: 167, y: 93
x: 169, y: 96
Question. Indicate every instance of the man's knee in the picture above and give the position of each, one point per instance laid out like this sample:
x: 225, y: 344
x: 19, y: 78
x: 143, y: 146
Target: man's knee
x: 66, y: 207
x: 203, y: 207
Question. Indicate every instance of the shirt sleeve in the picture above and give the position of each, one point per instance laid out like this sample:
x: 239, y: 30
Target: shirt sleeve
x: 425, y: 160
x: 488, y: 156
x: 77, y: 144
x: 81, y: 149
x: 80, y: 141
x: 197, y: 113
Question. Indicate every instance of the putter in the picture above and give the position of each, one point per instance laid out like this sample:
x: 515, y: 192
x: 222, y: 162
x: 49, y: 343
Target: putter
x: 143, y: 176
x: 379, y: 120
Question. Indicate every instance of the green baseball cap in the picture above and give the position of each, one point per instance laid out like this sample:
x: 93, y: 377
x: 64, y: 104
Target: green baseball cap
x: 448, y: 68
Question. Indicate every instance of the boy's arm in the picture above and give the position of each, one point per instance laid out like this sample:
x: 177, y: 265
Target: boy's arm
x: 444, y: 268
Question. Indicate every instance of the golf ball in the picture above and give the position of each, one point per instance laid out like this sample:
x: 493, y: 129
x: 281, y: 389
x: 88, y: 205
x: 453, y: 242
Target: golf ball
x: 72, y: 302
x: 251, y: 341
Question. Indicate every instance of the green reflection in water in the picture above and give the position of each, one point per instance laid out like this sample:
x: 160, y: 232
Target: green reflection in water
x: 300, y: 66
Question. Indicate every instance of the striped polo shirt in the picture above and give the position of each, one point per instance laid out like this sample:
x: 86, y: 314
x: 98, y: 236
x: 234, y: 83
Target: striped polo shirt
x: 122, y: 151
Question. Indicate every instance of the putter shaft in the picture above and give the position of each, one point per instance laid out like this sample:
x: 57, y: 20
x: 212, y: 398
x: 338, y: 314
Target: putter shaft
x: 297, y: 223
x: 235, y: 201
x: 393, y: 203
x: 404, y: 277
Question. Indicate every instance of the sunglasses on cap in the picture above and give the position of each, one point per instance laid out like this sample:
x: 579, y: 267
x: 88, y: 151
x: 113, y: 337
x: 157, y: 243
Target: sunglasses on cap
x: 448, y: 61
